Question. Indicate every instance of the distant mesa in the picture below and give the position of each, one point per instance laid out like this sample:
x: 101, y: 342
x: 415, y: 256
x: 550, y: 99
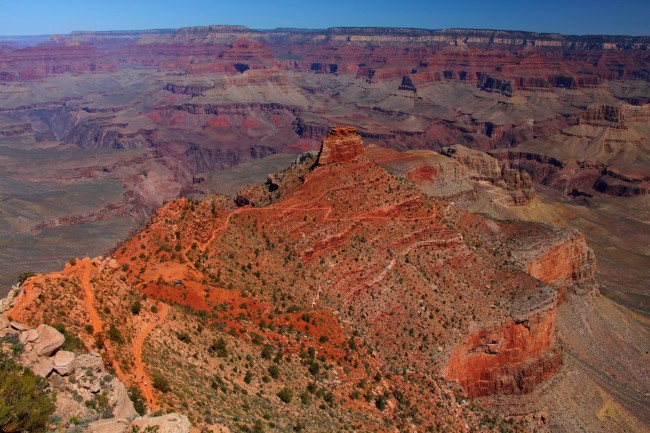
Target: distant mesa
x: 343, y: 144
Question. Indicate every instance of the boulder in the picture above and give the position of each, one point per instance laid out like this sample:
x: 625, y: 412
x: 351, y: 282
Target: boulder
x: 28, y: 336
x: 113, y: 425
x: 67, y: 407
x: 89, y: 382
x: 95, y: 387
x: 43, y: 367
x: 170, y: 423
x: 19, y: 326
x: 120, y: 401
x: 49, y: 340
x: 64, y: 362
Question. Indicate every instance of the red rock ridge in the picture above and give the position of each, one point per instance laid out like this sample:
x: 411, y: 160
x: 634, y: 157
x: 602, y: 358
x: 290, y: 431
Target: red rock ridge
x: 511, y: 358
x: 566, y: 264
x: 342, y: 144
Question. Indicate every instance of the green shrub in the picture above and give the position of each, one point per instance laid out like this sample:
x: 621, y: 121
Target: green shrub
x: 24, y: 276
x: 285, y: 395
x: 267, y: 351
x: 219, y: 347
x: 184, y: 337
x: 274, y: 371
x: 381, y: 402
x: 71, y: 343
x: 100, y: 403
x: 161, y: 383
x: 115, y: 335
x: 139, y: 403
x: 25, y: 406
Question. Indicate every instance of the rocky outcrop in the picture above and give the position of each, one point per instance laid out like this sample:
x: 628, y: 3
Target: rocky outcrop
x: 19, y: 326
x: 484, y: 166
x: 511, y: 358
x: 520, y: 184
x: 613, y: 183
x: 566, y: 262
x: 604, y: 115
x: 170, y: 423
x: 64, y: 362
x: 11, y: 298
x: 14, y: 130
x: 42, y: 367
x: 571, y: 176
x: 49, y: 340
x: 487, y: 168
x: 4, y: 323
x: 498, y: 85
x: 186, y: 89
x: 342, y: 144
x: 111, y: 425
x: 90, y: 361
x: 78, y: 379
x: 407, y: 84
x: 570, y: 261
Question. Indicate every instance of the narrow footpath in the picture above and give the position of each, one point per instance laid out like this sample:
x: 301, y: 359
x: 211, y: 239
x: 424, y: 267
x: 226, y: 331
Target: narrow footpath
x: 140, y: 374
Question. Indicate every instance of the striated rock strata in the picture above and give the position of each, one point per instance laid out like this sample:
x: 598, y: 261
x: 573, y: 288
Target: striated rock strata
x: 566, y: 263
x: 342, y: 145
x: 511, y: 358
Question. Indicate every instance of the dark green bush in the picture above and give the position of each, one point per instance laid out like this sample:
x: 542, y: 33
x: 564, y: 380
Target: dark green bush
x: 219, y: 347
x: 274, y: 371
x: 25, y: 405
x: 136, y: 307
x: 115, y: 335
x: 285, y: 395
x: 161, y: 383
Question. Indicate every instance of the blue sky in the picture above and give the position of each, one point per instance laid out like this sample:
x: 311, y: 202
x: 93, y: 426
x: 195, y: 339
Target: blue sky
x: 29, y: 17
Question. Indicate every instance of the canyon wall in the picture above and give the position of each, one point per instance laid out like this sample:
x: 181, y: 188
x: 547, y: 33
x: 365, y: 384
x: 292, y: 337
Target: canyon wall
x: 511, y: 358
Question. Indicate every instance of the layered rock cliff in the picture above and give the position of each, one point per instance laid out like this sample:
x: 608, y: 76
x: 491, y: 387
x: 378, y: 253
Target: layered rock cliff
x: 511, y: 358
x: 487, y: 168
x: 568, y: 263
x: 341, y: 145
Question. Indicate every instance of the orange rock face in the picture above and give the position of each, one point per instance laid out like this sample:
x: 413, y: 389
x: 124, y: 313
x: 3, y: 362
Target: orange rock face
x: 566, y: 263
x: 342, y: 144
x: 509, y: 359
